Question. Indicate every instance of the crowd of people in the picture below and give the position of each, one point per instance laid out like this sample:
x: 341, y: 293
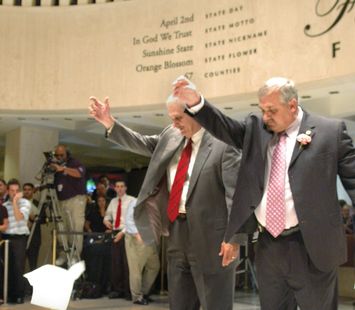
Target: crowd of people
x: 211, y: 181
x: 105, y: 225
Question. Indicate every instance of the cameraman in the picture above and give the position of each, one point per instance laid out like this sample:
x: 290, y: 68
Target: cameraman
x: 69, y: 182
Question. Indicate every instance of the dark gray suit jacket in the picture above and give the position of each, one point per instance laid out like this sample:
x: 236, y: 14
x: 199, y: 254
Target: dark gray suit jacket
x: 209, y: 197
x: 312, y: 173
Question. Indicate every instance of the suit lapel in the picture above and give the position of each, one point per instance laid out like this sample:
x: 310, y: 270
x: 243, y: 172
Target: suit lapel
x: 266, y: 136
x: 159, y: 164
x: 168, y: 152
x: 306, y: 125
x: 201, y: 157
x: 171, y: 147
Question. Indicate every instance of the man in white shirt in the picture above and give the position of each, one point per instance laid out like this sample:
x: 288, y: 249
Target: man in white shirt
x: 143, y: 261
x: 115, y: 221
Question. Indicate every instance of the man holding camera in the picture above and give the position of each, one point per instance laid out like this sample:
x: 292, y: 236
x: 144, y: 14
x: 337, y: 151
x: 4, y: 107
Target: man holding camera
x: 69, y: 182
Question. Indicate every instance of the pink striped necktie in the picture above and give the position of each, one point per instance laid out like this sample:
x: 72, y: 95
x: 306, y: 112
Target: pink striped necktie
x: 275, y: 201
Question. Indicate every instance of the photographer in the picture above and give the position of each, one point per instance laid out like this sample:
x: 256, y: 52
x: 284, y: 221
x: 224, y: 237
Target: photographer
x: 69, y: 182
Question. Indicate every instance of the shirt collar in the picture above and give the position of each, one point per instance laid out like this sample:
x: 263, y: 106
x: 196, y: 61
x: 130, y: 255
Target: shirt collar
x: 293, y: 129
x: 197, y: 137
x: 122, y: 198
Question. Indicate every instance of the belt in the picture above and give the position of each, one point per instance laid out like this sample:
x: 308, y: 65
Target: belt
x: 182, y: 216
x: 285, y: 233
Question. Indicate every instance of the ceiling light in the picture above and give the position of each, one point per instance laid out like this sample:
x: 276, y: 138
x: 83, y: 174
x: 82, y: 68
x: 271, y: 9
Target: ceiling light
x: 159, y: 114
x: 333, y: 92
x: 68, y: 119
x: 228, y: 108
x: 137, y: 116
x: 254, y: 104
x: 306, y: 97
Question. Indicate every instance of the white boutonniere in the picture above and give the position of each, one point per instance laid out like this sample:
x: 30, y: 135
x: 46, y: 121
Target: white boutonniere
x: 304, y: 138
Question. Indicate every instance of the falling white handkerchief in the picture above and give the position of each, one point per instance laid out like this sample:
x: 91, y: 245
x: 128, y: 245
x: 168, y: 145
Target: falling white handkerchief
x: 52, y: 285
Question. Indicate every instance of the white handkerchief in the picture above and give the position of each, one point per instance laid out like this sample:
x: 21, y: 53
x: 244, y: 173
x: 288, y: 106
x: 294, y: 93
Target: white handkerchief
x: 189, y: 85
x: 52, y: 285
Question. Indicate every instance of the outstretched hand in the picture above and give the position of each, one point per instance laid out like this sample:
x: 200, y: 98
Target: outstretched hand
x: 101, y: 111
x: 186, y: 91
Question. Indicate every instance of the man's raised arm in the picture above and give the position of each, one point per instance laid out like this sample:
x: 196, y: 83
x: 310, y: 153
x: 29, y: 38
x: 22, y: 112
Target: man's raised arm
x: 101, y: 111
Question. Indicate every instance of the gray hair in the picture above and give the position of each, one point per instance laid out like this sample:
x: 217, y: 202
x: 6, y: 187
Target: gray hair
x: 285, y: 86
x: 173, y: 99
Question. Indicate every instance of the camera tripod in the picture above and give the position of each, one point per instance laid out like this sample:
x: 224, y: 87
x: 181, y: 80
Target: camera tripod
x: 48, y: 207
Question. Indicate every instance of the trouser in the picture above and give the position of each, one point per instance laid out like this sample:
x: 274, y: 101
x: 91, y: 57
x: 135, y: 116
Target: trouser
x: 287, y: 277
x: 34, y: 247
x: 119, y: 268
x: 72, y: 211
x: 143, y: 264
x: 189, y: 286
x: 98, y: 263
x: 17, y: 257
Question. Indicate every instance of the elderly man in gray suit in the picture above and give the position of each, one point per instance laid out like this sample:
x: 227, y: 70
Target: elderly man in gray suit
x: 287, y: 181
x: 200, y: 173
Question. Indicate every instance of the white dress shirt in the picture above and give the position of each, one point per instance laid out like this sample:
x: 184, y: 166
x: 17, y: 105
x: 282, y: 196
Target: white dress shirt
x: 291, y: 216
x: 111, y: 211
x: 171, y: 171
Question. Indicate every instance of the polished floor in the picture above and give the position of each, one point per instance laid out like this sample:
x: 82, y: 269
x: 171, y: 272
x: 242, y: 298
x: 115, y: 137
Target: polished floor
x: 244, y: 300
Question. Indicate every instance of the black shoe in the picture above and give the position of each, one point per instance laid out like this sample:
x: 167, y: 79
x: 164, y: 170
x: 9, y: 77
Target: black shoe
x: 142, y: 302
x: 20, y: 300
x: 147, y: 298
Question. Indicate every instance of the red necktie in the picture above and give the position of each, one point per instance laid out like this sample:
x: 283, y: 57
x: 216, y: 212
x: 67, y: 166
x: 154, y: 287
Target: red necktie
x: 275, y: 201
x: 180, y: 177
x: 118, y: 214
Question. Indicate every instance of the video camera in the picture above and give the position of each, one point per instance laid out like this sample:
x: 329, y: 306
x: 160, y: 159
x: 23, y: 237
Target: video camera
x: 51, y: 159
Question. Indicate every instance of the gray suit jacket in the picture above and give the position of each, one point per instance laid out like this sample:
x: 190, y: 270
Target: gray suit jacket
x: 312, y: 173
x: 209, y: 196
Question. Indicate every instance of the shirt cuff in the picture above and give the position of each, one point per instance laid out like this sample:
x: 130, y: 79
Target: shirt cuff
x: 196, y: 108
x: 108, y: 130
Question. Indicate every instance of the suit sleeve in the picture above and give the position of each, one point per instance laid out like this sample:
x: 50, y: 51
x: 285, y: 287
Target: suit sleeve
x: 132, y: 140
x: 346, y: 161
x: 222, y: 127
x: 230, y: 169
